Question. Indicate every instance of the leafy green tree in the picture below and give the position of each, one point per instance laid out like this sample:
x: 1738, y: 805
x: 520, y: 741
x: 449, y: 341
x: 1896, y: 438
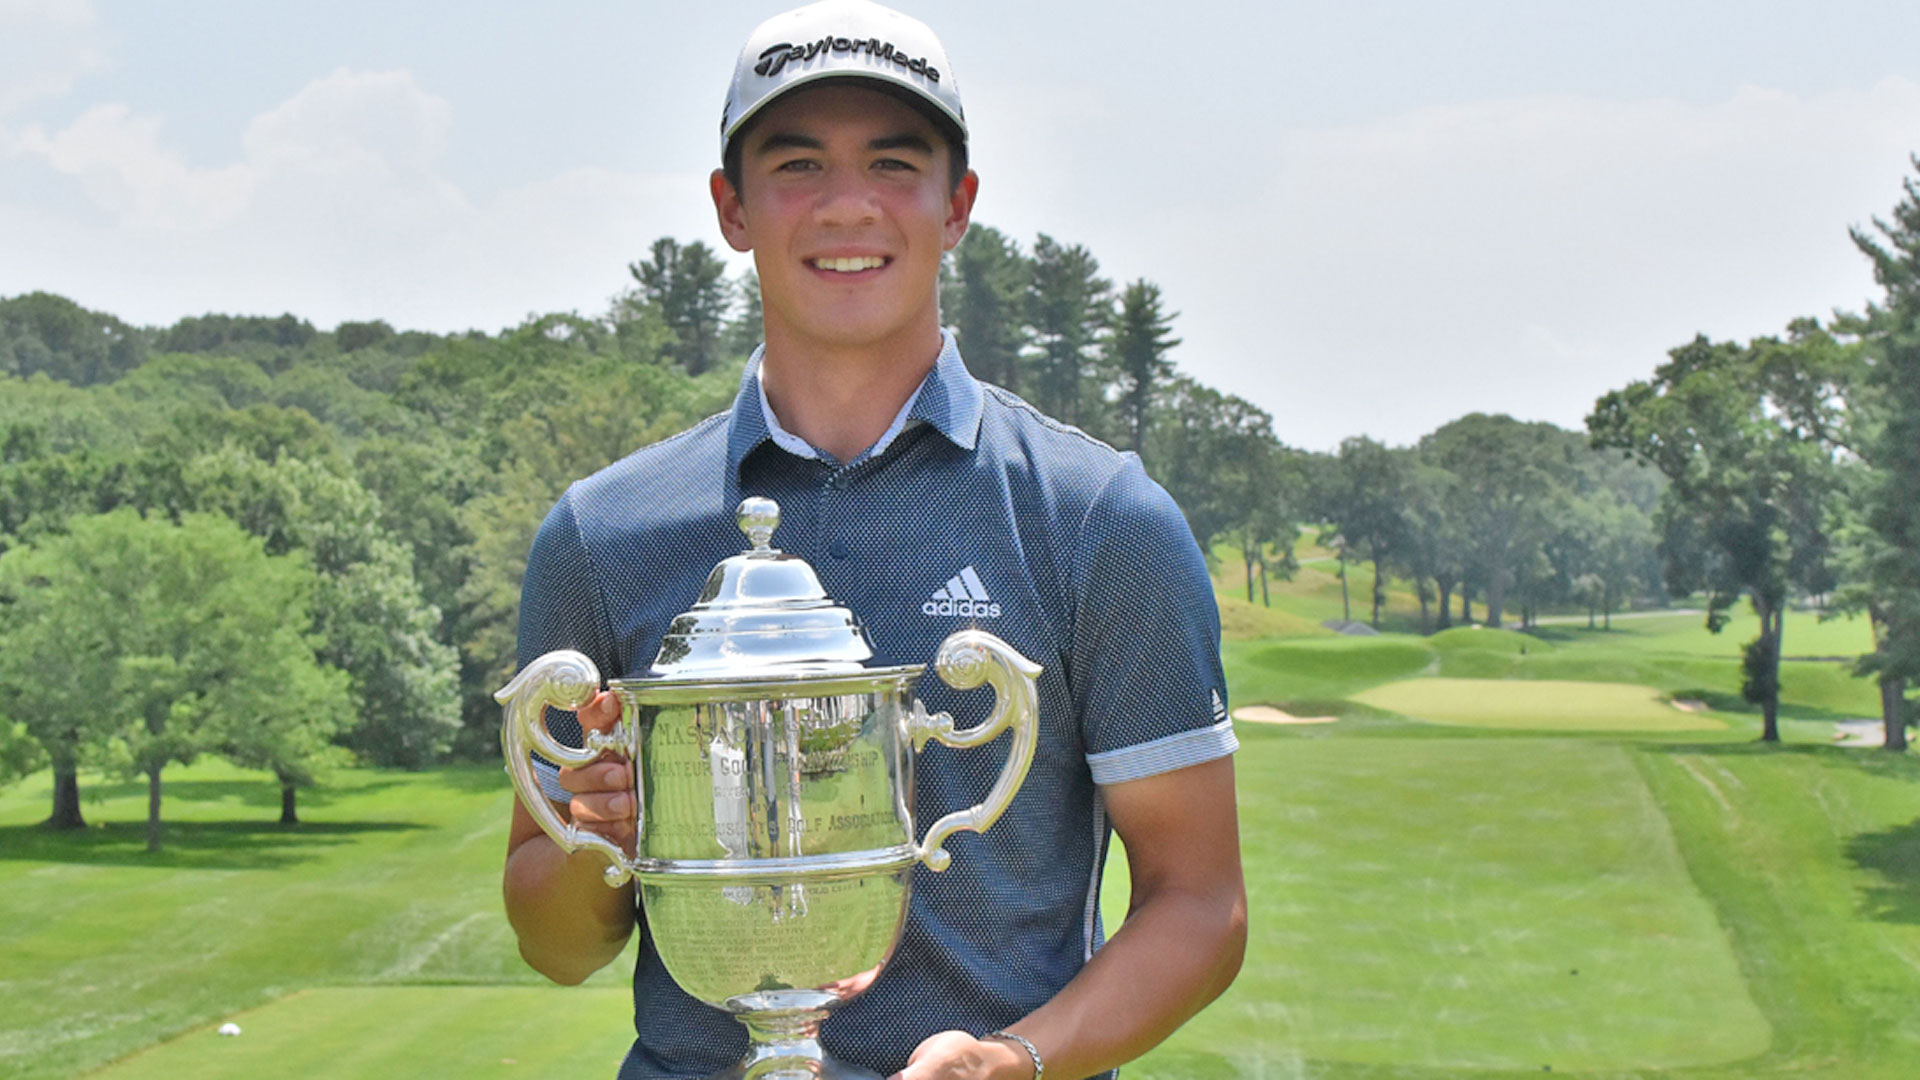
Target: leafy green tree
x: 688, y: 286
x: 1362, y: 496
x: 1509, y: 475
x: 206, y: 627
x: 1204, y: 442
x: 44, y: 334
x: 1891, y: 448
x: 354, y: 336
x: 606, y: 411
x: 1748, y: 502
x: 748, y: 326
x: 369, y: 618
x: 1137, y: 356
x: 1430, y: 548
x: 984, y: 300
x: 421, y: 484
x: 292, y: 736
x: 1068, y: 308
x: 252, y: 335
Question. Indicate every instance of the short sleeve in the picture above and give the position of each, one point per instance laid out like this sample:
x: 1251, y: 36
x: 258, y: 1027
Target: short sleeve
x: 561, y: 608
x: 1145, y: 670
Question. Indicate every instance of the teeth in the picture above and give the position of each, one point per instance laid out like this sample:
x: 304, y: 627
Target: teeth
x: 851, y: 265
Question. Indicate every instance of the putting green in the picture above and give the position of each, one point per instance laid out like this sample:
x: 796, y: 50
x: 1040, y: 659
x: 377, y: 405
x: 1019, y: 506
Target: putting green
x: 1535, y: 705
x: 518, y: 1031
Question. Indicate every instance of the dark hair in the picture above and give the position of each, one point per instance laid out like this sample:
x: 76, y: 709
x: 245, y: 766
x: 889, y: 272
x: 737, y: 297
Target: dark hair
x: 731, y: 168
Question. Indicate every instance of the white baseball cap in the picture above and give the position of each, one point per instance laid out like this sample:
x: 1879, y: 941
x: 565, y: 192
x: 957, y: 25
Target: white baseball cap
x: 838, y: 39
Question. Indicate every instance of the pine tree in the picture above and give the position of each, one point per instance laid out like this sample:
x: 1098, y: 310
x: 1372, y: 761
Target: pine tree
x: 1137, y: 356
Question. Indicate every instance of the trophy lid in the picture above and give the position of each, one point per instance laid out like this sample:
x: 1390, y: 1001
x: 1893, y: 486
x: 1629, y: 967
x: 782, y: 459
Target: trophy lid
x: 763, y: 612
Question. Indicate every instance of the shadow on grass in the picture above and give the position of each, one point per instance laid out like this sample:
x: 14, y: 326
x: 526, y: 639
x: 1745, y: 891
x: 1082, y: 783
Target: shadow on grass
x: 1894, y: 854
x: 1722, y: 701
x: 262, y: 793
x: 1903, y: 767
x: 472, y: 779
x: 189, y: 845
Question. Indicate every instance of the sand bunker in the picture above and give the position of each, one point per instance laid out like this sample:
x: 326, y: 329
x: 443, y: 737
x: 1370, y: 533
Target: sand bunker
x: 1267, y: 714
x: 1689, y: 705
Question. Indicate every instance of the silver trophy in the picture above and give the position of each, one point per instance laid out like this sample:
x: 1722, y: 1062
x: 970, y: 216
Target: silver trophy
x: 773, y: 773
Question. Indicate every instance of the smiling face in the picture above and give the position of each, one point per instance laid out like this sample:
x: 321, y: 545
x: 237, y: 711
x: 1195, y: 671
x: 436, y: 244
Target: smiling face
x: 845, y: 201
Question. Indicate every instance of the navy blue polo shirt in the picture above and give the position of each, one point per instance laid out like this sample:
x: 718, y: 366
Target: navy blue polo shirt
x: 980, y: 511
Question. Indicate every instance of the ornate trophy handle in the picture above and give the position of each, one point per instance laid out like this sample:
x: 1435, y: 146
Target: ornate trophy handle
x: 967, y: 659
x: 564, y: 679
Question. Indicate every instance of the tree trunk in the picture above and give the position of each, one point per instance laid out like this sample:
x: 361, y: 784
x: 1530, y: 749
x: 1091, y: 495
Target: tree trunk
x: 1265, y: 597
x: 287, y: 814
x: 1466, y: 607
x: 1246, y: 553
x: 153, y: 808
x: 1445, y: 589
x: 1771, y: 623
x: 1426, y: 606
x: 1379, y: 591
x: 1346, y: 605
x: 1496, y: 597
x: 1893, y: 692
x: 1589, y: 614
x: 66, y: 798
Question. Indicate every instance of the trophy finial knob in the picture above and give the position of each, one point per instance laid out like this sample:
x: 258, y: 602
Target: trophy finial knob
x: 758, y: 517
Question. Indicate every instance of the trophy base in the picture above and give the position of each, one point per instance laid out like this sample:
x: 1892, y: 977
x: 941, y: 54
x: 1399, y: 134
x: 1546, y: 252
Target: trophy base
x: 785, y: 1045
x: 795, y: 1068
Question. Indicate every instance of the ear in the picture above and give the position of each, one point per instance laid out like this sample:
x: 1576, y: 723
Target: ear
x: 732, y: 215
x: 960, y: 210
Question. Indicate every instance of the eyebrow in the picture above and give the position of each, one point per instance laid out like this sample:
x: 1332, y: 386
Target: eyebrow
x: 793, y: 140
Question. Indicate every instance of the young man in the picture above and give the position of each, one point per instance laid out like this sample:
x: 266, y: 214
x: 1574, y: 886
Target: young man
x: 844, y: 174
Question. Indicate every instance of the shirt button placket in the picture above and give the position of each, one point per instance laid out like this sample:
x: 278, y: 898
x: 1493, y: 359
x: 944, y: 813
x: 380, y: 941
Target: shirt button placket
x: 835, y: 517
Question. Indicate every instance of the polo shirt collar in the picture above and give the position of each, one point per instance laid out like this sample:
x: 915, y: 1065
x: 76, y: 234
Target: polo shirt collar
x: 949, y: 400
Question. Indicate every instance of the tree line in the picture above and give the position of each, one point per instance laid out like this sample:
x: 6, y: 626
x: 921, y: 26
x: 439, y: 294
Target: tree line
x: 1794, y: 469
x: 250, y: 537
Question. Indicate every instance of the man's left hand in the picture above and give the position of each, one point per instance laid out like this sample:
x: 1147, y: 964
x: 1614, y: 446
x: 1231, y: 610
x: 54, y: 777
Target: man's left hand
x: 956, y: 1055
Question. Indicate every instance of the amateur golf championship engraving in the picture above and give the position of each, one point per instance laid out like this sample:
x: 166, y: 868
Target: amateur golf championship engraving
x: 773, y: 772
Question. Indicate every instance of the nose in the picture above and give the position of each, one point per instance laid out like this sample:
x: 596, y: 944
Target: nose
x: 846, y: 199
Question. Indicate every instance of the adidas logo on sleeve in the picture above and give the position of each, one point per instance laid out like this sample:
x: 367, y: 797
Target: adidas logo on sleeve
x: 963, y: 594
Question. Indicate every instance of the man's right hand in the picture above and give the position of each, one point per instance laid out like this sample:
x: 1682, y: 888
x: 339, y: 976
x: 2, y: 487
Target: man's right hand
x: 569, y: 923
x: 603, y: 793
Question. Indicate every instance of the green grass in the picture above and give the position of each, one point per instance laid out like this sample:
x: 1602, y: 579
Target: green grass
x: 377, y: 1032
x: 1536, y: 705
x: 1319, y: 669
x: 1806, y: 634
x: 393, y: 878
x: 1300, y: 606
x: 1410, y: 914
x: 1422, y: 892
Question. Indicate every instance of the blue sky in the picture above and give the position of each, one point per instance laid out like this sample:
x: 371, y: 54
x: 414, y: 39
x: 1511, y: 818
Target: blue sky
x: 1372, y: 217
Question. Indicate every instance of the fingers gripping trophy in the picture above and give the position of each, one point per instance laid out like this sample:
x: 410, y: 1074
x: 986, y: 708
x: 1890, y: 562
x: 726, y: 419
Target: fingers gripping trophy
x: 773, y: 779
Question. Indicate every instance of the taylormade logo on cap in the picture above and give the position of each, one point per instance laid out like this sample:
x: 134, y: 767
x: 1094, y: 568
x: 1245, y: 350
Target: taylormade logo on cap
x: 775, y: 58
x: 843, y: 39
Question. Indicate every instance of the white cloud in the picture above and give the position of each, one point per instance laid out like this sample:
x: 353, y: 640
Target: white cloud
x: 337, y: 209
x: 45, y: 45
x: 1520, y: 256
x: 118, y: 158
